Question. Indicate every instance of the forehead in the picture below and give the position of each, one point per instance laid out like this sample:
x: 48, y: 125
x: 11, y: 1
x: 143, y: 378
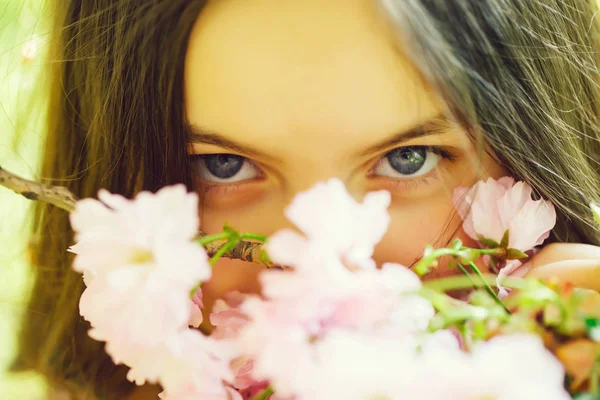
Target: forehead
x: 266, y: 72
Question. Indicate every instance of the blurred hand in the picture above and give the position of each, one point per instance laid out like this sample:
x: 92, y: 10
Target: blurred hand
x: 578, y: 264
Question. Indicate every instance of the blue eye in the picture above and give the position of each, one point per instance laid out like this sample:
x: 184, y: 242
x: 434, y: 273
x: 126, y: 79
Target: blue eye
x: 224, y: 167
x: 406, y: 162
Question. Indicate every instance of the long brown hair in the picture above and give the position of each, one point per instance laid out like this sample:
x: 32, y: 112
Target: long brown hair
x: 115, y: 120
x: 521, y: 73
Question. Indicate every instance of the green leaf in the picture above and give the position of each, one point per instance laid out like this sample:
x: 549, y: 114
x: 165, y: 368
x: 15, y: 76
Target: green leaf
x: 504, y: 241
x: 492, y: 244
x: 514, y: 254
x: 592, y: 322
x: 595, y: 211
x: 593, y: 328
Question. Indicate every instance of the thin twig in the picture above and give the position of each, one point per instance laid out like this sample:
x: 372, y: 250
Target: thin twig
x: 61, y: 197
x: 58, y: 196
x: 244, y: 250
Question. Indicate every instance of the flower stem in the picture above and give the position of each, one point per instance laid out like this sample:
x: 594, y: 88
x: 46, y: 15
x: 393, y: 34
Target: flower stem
x: 264, y: 394
x: 255, y: 236
x: 234, y: 239
x: 464, y: 271
x: 467, y: 337
x: 195, y: 289
x: 465, y: 282
x: 492, y: 252
x: 214, y: 238
x: 224, y: 249
x: 422, y: 266
x: 487, y: 286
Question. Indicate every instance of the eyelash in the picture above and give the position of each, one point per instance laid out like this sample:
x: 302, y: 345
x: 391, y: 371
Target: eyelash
x: 392, y: 183
x: 411, y: 182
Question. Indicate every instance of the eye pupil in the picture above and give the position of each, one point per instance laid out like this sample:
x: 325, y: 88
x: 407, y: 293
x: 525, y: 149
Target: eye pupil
x: 407, y: 160
x: 224, y: 166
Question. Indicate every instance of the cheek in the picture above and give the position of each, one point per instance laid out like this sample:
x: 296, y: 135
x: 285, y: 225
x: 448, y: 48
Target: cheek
x: 263, y: 215
x: 227, y: 276
x: 417, y: 223
x: 413, y: 226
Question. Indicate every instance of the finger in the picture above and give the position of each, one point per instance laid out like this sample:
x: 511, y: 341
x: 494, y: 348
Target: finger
x: 581, y: 273
x: 565, y: 251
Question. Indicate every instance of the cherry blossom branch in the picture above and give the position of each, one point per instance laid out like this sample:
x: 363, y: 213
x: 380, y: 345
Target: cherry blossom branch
x: 247, y: 248
x: 58, y: 196
x: 458, y: 282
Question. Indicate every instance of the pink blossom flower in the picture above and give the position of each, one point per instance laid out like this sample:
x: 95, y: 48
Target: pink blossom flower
x: 192, y: 394
x: 229, y: 320
x: 324, y: 288
x: 139, y: 264
x: 511, y: 367
x: 516, y: 367
x: 491, y: 207
x: 135, y: 314
x: 186, y: 364
x: 332, y: 219
x: 284, y: 329
x: 197, y: 305
x: 513, y: 268
x: 154, y: 232
x: 227, y: 317
x: 334, y: 285
x: 358, y: 365
x: 244, y: 381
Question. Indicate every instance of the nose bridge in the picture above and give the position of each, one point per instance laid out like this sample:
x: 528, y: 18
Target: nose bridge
x: 319, y: 172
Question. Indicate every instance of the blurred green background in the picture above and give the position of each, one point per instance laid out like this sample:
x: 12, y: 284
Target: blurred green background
x: 23, y: 33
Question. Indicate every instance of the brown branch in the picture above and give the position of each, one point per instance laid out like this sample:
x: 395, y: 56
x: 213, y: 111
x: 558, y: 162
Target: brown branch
x: 58, y: 196
x: 61, y: 197
x: 245, y: 250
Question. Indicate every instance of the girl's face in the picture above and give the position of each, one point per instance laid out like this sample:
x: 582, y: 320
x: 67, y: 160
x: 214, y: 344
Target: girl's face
x: 283, y: 94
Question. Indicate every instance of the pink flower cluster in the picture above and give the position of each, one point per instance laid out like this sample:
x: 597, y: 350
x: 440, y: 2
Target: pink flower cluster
x: 335, y: 326
x: 334, y: 286
x: 332, y: 326
x: 492, y: 207
x: 139, y: 265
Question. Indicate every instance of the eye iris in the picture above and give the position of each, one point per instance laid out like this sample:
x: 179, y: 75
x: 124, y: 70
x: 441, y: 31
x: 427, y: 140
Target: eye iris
x: 224, y: 166
x: 407, y: 160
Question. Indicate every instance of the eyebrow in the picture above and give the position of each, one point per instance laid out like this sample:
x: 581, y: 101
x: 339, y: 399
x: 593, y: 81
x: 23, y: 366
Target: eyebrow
x: 197, y: 134
x: 437, y: 125
x: 434, y: 126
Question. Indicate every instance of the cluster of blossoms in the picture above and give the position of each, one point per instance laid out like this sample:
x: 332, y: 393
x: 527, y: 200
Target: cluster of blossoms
x: 139, y: 265
x: 331, y: 326
x: 492, y: 208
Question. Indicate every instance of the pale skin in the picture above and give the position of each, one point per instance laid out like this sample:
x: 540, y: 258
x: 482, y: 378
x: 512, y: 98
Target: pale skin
x: 306, y: 90
x: 308, y: 101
